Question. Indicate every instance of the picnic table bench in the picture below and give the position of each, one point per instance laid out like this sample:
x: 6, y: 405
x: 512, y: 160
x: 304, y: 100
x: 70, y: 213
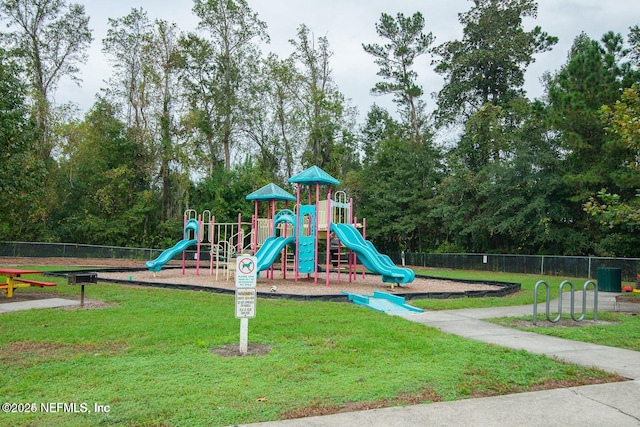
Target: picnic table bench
x: 14, y: 280
x: 34, y: 282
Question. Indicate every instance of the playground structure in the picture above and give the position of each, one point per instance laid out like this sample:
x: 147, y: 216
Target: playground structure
x: 294, y: 236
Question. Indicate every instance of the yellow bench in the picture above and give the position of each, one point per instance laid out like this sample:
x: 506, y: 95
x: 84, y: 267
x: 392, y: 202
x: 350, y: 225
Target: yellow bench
x: 14, y: 280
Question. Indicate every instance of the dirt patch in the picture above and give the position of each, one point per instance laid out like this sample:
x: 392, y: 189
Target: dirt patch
x: 20, y: 295
x: 319, y: 408
x: 93, y: 305
x: 30, y: 353
x: 428, y: 395
x: 233, y: 350
x: 631, y: 298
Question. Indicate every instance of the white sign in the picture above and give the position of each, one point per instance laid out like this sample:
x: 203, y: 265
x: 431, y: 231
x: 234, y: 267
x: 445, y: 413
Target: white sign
x: 246, y: 303
x: 246, y: 271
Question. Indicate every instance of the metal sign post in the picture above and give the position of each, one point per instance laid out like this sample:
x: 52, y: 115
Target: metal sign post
x: 246, y: 296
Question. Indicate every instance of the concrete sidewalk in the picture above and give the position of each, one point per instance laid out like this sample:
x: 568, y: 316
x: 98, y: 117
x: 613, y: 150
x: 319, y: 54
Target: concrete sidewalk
x: 613, y: 404
x: 9, y: 307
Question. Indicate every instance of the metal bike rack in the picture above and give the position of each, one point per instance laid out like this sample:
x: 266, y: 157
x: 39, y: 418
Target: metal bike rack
x: 562, y: 285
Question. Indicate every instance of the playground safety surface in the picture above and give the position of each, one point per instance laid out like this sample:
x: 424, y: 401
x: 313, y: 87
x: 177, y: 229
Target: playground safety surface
x: 307, y: 288
x: 134, y: 272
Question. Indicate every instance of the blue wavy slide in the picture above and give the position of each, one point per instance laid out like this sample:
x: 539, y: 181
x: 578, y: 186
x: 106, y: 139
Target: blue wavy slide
x: 166, y: 256
x: 270, y: 249
x: 373, y: 260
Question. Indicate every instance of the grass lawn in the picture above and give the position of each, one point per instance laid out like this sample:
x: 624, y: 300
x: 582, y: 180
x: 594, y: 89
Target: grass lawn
x: 524, y: 297
x: 620, y: 330
x: 148, y: 356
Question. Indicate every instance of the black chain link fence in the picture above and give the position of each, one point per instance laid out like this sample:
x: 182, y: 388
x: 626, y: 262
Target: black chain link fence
x: 569, y: 266
x: 72, y: 250
x: 551, y: 265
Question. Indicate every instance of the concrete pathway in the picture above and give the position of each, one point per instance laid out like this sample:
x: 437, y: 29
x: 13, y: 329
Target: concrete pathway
x: 8, y: 307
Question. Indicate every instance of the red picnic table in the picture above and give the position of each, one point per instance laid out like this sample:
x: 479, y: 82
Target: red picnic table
x: 14, y: 280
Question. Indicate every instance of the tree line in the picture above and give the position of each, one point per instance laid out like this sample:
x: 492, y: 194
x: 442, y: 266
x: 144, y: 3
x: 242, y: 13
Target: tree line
x: 555, y: 175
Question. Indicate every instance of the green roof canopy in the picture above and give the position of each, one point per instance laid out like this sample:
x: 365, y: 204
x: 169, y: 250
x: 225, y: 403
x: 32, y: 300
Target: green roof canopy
x: 271, y: 192
x: 313, y: 175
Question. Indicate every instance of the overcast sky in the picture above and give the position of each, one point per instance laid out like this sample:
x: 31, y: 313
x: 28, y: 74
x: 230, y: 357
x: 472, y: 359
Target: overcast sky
x: 348, y: 24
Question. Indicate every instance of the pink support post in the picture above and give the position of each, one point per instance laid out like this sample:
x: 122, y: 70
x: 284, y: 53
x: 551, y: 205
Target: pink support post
x: 273, y: 227
x: 329, y: 235
x: 213, y: 243
x: 298, y: 219
x: 253, y: 231
x: 239, y: 248
x: 315, y: 267
x: 352, y: 259
x: 200, y: 230
x: 255, y: 227
x: 352, y: 221
x: 268, y: 218
x: 339, y: 267
x: 184, y: 236
x: 364, y: 236
x: 284, y: 262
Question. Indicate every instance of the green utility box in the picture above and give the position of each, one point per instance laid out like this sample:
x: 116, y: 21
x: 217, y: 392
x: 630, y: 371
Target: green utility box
x: 609, y: 279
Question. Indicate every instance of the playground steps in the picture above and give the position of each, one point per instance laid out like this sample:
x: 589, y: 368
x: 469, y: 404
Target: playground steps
x: 383, y: 302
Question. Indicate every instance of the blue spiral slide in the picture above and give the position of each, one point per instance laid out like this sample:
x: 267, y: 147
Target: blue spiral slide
x: 166, y: 256
x: 373, y: 260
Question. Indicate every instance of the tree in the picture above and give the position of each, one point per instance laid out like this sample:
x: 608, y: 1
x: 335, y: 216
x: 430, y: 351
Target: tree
x: 233, y: 27
x: 401, y: 167
x: 327, y: 118
x: 622, y: 119
x: 406, y: 42
x: 620, y: 216
x: 223, y: 192
x: 165, y: 66
x: 52, y: 38
x: 634, y: 41
x: 105, y: 198
x: 505, y: 191
x: 146, y: 60
x: 397, y: 183
x: 488, y: 64
x: 201, y: 123
x: 272, y: 121
x: 21, y: 171
x: 594, y: 76
x: 125, y: 46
